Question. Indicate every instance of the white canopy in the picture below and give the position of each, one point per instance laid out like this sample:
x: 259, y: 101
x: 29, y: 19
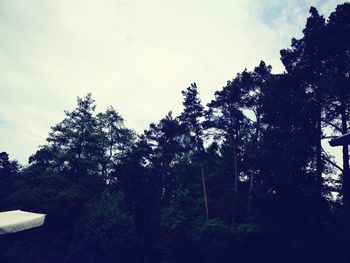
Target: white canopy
x: 17, y: 220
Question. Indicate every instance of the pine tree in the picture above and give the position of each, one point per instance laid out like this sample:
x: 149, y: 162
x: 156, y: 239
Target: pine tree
x: 225, y: 115
x: 192, y: 118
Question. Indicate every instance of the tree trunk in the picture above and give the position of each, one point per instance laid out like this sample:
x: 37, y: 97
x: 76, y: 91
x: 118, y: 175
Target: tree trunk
x: 235, y: 174
x: 254, y: 172
x: 319, y: 163
x: 204, y: 191
x: 151, y: 253
x: 200, y: 148
x: 250, y: 193
x: 346, y: 187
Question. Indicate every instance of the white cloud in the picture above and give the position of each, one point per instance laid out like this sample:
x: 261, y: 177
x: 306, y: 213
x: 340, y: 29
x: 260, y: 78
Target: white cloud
x: 135, y: 55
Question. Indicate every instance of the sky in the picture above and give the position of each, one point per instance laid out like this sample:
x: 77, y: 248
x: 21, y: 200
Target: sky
x: 136, y: 55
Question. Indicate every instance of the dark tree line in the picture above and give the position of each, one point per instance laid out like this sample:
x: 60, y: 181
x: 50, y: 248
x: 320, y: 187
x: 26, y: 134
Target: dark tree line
x: 242, y: 179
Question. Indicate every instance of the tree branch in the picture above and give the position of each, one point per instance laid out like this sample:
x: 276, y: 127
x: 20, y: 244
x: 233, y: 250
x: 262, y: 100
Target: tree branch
x: 332, y: 163
x: 326, y: 158
x: 329, y: 137
x: 333, y: 125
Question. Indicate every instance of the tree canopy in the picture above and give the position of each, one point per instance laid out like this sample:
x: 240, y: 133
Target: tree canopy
x: 244, y: 178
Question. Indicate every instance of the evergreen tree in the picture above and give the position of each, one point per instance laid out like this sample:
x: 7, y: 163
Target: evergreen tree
x: 76, y: 140
x: 306, y: 61
x: 338, y: 80
x: 116, y: 140
x: 226, y: 115
x: 9, y: 172
x: 192, y: 118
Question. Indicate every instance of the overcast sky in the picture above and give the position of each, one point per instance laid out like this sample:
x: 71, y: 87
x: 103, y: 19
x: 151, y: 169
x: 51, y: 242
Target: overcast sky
x: 136, y: 55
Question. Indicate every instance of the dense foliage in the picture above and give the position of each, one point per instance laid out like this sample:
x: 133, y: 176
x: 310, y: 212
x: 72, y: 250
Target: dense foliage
x: 244, y: 179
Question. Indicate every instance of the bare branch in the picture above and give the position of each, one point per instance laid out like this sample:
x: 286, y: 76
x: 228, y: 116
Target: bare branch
x: 329, y: 137
x: 332, y: 163
x: 328, y: 159
x: 332, y: 124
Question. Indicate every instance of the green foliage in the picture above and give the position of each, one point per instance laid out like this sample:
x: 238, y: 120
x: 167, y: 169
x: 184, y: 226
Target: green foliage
x: 108, y: 228
x: 253, y: 159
